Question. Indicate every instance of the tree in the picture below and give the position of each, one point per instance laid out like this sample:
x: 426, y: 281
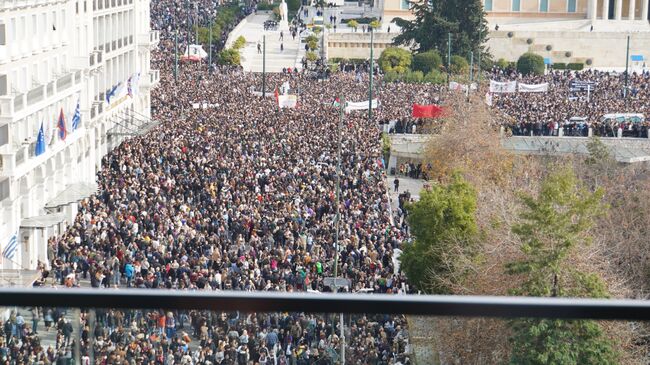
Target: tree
x: 229, y: 57
x: 426, y: 61
x: 552, y: 226
x: 459, y: 65
x: 311, y: 56
x: 353, y: 24
x: 434, y: 20
x: 530, y: 63
x: 375, y: 24
x: 239, y: 43
x: 444, y: 226
x: 395, y: 59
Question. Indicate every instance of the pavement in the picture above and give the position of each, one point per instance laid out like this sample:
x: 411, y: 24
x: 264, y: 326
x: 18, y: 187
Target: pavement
x: 414, y: 186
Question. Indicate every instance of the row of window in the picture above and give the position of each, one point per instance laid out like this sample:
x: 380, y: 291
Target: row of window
x: 24, y: 28
x: 515, y: 5
x: 107, y: 4
x: 26, y: 77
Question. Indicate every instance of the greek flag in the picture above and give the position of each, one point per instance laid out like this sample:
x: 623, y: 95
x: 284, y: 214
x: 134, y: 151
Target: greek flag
x: 10, y: 249
x: 76, y: 118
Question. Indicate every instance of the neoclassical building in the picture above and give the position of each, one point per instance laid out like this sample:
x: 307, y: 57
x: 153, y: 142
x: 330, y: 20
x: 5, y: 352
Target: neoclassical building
x: 74, y: 82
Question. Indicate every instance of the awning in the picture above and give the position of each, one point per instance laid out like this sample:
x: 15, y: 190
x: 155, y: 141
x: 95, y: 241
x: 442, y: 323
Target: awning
x: 637, y: 58
x: 42, y: 221
x: 547, y: 61
x: 72, y: 194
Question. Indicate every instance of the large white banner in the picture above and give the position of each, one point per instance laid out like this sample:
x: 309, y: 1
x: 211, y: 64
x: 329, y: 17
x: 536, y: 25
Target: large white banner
x: 453, y: 85
x: 530, y: 88
x: 287, y: 101
x: 269, y: 94
x: 503, y: 87
x: 361, y: 105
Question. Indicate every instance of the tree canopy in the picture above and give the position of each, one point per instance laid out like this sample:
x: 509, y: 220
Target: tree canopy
x: 444, y: 225
x: 426, y: 61
x: 530, y: 63
x: 552, y: 225
x: 435, y: 19
x: 395, y: 59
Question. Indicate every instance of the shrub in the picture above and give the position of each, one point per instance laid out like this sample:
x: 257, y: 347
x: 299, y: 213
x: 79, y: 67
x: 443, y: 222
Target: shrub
x: 276, y: 13
x: 311, y: 56
x: 239, y: 43
x: 575, y: 66
x: 375, y: 24
x: 559, y: 66
x: 414, y: 77
x: 391, y: 76
x: 459, y: 64
x: 530, y: 63
x: 229, y: 57
x: 311, y: 38
x: 395, y: 59
x: 353, y: 24
x: 502, y: 63
x: 263, y: 6
x: 435, y: 77
x: 426, y: 61
x: 362, y: 20
x: 312, y: 45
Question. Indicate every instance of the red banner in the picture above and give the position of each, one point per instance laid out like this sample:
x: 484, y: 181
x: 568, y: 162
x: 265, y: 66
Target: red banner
x: 427, y: 111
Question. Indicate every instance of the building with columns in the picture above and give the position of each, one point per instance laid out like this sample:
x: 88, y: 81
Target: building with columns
x: 75, y: 81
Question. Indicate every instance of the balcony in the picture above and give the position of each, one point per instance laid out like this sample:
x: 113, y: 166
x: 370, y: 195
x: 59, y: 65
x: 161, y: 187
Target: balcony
x: 11, y: 104
x: 90, y: 62
x: 149, y: 40
x: 151, y: 80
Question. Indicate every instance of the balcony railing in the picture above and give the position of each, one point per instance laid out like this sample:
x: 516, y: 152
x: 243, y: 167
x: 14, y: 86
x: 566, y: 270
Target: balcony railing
x: 436, y: 305
x: 10, y: 104
x: 149, y: 39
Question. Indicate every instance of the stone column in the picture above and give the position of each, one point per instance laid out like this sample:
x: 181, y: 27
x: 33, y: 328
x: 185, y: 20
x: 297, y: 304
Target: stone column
x: 631, y: 10
x: 644, y: 10
x: 593, y: 10
x: 605, y: 9
x: 618, y: 9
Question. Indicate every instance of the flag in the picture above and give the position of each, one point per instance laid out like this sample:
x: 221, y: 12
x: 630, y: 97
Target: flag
x: 110, y: 93
x: 427, y: 111
x: 129, y: 90
x: 61, y: 124
x: 76, y: 118
x: 40, y: 142
x: 10, y: 249
x: 336, y: 103
x: 276, y: 94
x: 488, y: 99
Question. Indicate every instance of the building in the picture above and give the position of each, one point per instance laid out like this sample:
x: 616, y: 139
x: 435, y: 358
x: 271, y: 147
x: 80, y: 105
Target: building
x: 562, y: 31
x: 79, y: 66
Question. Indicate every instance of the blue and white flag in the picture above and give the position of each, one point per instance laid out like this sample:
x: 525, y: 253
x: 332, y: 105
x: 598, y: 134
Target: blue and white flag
x: 10, y: 249
x: 110, y: 93
x: 40, y: 142
x: 76, y: 118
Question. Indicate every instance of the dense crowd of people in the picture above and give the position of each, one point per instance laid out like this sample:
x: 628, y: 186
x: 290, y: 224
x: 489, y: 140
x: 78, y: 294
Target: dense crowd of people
x: 572, y: 109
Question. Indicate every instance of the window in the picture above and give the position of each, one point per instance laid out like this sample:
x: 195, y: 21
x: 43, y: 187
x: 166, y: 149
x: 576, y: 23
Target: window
x: 543, y: 6
x: 34, y: 26
x: 516, y: 5
x: 572, y: 6
x: 3, y: 35
x: 404, y: 5
x: 488, y: 5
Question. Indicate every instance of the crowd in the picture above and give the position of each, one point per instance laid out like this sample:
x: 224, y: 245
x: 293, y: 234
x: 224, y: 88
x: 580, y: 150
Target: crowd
x: 236, y: 194
x: 575, y: 110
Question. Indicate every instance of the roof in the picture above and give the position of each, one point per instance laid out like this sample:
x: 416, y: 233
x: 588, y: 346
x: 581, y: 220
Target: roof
x: 42, y: 221
x: 72, y: 194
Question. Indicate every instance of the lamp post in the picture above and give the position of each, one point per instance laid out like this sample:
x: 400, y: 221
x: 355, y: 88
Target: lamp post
x: 372, y: 32
x: 627, y: 59
x: 264, y: 65
x: 448, y: 57
x: 338, y: 218
x: 176, y: 56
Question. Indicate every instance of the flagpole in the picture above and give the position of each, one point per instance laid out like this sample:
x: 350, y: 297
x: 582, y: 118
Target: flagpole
x: 448, y: 57
x: 338, y: 213
x: 471, y: 73
x: 176, y: 56
x: 371, y: 75
x: 627, y: 59
x: 264, y: 65
x: 210, y: 46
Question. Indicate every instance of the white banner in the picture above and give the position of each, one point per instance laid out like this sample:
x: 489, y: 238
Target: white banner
x: 361, y: 105
x: 453, y: 85
x: 503, y: 87
x: 530, y: 88
x: 269, y: 94
x: 287, y: 101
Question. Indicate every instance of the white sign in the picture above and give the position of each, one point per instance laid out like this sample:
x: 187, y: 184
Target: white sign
x: 537, y: 88
x: 503, y: 87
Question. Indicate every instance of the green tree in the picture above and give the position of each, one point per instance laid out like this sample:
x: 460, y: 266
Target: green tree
x: 459, y: 65
x: 433, y: 21
x: 353, y: 24
x: 239, y: 43
x: 229, y: 57
x: 553, y: 224
x: 530, y: 63
x: 311, y: 56
x: 375, y: 24
x: 443, y: 223
x: 395, y: 59
x: 435, y: 77
x: 312, y: 44
x: 426, y: 61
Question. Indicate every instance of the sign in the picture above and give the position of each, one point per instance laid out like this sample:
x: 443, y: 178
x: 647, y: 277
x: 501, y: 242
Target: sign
x: 530, y: 88
x: 337, y: 282
x: 503, y: 87
x: 579, y: 85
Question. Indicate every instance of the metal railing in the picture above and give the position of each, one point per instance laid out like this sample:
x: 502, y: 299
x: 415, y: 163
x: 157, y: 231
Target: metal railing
x: 436, y: 305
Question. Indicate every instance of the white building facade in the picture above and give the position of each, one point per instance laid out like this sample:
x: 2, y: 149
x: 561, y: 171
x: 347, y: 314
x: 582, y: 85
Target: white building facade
x: 72, y: 72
